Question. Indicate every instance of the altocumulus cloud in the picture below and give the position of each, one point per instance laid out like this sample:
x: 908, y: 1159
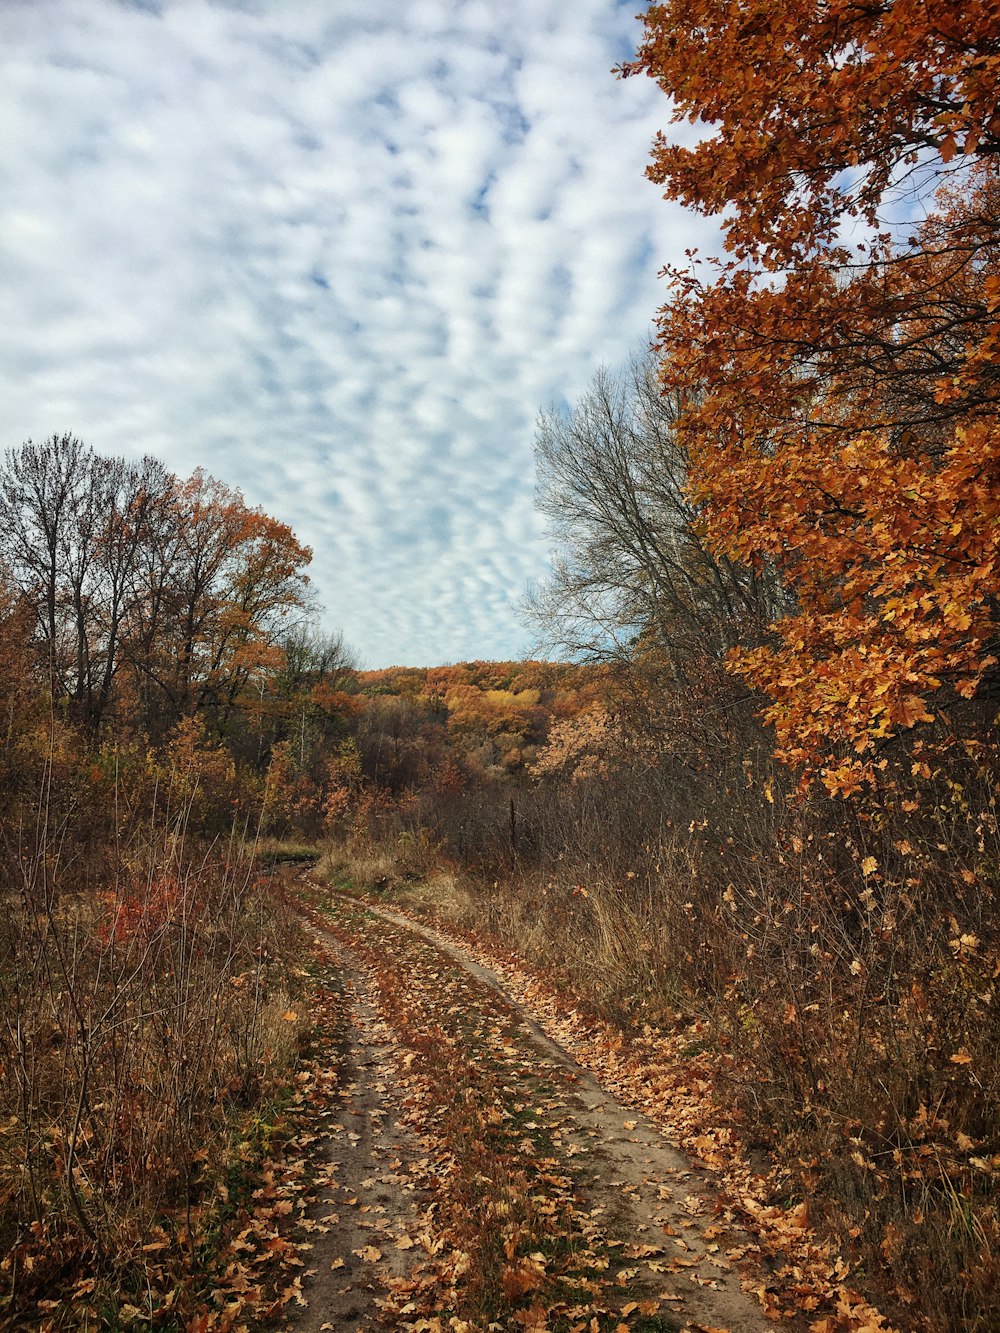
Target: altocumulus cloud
x: 339, y: 255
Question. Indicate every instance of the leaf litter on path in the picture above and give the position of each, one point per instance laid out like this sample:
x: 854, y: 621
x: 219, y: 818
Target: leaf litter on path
x: 366, y: 1205
x: 797, y: 1276
x: 553, y: 1206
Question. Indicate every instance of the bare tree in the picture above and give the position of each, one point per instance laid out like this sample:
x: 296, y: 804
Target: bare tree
x: 317, y: 666
x: 135, y: 497
x: 629, y: 561
x: 313, y: 656
x: 73, y: 526
x: 40, y: 493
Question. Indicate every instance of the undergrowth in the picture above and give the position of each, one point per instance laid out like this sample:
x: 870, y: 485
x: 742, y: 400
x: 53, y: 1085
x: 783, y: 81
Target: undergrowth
x: 147, y: 1035
x: 841, y: 961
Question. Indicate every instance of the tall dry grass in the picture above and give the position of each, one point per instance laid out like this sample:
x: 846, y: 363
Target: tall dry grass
x: 143, y: 1014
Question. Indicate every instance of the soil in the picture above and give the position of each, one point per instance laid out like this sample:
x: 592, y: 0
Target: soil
x: 644, y: 1198
x: 368, y: 1199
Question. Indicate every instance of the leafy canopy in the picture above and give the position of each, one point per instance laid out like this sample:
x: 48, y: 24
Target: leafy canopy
x: 840, y: 363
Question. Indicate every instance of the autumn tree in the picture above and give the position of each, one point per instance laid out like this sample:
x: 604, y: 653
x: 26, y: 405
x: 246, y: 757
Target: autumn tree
x: 73, y: 523
x: 40, y: 494
x: 228, y: 579
x: 21, y: 699
x: 397, y: 741
x: 840, y: 362
x: 177, y: 593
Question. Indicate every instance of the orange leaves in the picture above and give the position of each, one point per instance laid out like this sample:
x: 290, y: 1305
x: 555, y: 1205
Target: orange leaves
x: 910, y: 710
x: 524, y: 1276
x: 238, y: 574
x: 583, y: 746
x: 794, y: 107
x: 493, y: 711
x: 647, y: 1308
x: 840, y: 428
x: 895, y: 597
x: 798, y: 1217
x: 370, y: 1254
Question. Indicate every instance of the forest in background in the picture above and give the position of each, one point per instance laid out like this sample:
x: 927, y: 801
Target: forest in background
x: 759, y: 796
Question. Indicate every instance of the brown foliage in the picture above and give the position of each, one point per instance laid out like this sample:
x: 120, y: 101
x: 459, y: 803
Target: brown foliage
x: 142, y: 994
x: 840, y: 396
x: 149, y: 595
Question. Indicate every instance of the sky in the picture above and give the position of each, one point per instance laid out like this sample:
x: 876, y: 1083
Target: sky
x: 339, y: 253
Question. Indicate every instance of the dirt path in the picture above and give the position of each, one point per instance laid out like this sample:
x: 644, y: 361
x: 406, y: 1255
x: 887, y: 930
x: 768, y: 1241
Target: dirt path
x: 625, y: 1231
x: 642, y: 1182
x: 368, y: 1206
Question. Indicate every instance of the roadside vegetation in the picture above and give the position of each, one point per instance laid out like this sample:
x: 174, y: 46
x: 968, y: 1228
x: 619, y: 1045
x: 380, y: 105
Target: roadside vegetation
x: 148, y: 1038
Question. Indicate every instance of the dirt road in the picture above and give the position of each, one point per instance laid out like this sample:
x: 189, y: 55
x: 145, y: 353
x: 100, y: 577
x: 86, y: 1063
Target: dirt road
x: 368, y: 1203
x: 478, y: 1177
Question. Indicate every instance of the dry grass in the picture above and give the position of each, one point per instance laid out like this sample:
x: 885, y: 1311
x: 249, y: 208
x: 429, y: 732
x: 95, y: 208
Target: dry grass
x: 844, y: 962
x: 143, y: 1015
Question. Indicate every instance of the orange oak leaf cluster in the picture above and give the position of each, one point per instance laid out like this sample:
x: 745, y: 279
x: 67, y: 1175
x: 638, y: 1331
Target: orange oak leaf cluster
x: 840, y: 363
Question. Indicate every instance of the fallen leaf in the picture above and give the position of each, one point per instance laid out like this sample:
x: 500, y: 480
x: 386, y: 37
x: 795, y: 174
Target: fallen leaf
x: 641, y: 1251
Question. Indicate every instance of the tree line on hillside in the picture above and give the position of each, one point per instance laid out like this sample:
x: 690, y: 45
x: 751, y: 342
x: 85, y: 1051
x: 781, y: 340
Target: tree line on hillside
x: 150, y: 621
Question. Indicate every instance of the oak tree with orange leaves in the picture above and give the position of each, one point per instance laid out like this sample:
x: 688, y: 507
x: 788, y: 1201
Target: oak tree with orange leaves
x: 842, y: 360
x: 238, y: 578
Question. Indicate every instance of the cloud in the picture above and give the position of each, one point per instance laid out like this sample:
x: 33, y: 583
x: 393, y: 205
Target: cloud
x: 340, y: 256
